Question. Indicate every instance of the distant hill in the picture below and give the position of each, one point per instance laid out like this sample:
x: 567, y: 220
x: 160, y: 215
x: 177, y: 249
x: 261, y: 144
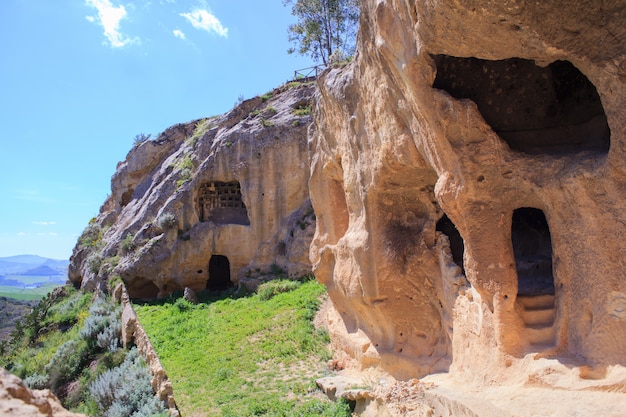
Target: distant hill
x: 32, y: 265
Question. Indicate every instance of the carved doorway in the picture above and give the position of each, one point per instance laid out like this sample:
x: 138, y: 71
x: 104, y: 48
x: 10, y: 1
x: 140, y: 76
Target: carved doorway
x: 532, y: 247
x: 219, y: 273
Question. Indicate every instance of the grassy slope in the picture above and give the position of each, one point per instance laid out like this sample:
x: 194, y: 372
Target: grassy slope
x: 244, y: 356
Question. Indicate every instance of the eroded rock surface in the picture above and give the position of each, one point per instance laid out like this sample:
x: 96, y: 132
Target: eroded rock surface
x: 16, y: 400
x: 468, y: 176
x: 208, y: 203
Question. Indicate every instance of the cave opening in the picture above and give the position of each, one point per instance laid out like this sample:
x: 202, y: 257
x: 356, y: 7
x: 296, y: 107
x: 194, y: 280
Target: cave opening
x: 142, y: 288
x: 532, y: 247
x: 535, y: 110
x: 219, y: 273
x: 457, y: 247
x: 222, y: 203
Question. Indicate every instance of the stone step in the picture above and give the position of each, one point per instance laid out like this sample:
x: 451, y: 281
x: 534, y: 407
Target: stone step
x: 540, y: 335
x: 537, y: 302
x: 539, y: 317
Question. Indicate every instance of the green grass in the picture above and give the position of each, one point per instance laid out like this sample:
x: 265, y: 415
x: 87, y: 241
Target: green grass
x: 28, y: 294
x: 243, y: 356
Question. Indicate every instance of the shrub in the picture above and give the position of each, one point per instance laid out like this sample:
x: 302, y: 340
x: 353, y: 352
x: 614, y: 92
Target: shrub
x: 36, y: 381
x: 126, y: 390
x: 91, y: 236
x: 103, y: 327
x: 185, y: 168
x: 94, y: 262
x: 265, y: 122
x: 183, y: 305
x: 272, y: 288
x: 266, y: 97
x: 202, y: 126
x: 302, y: 111
x: 141, y: 138
x: 66, y: 363
x: 127, y: 245
x: 166, y: 221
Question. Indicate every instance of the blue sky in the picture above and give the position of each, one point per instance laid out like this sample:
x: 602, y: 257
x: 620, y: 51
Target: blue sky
x: 80, y: 78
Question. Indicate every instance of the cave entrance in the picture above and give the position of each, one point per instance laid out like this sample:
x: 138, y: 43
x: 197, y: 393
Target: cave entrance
x: 535, y: 110
x: 457, y: 247
x: 532, y: 247
x: 219, y: 273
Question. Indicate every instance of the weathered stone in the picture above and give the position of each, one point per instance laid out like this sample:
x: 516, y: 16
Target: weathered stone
x: 190, y: 295
x: 16, y: 400
x: 468, y: 176
x: 210, y: 202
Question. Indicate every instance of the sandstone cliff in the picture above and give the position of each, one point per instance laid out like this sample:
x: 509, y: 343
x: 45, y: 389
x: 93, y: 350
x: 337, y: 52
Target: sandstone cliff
x: 207, y: 203
x: 468, y: 176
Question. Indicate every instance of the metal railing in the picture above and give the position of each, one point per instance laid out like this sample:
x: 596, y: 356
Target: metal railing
x: 308, y: 74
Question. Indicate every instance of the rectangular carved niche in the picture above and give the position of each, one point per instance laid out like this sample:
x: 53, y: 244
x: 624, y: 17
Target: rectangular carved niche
x: 221, y: 203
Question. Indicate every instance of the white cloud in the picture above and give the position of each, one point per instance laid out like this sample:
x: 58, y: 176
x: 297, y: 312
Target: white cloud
x: 205, y: 20
x: 109, y: 17
x: 179, y: 34
x: 21, y: 234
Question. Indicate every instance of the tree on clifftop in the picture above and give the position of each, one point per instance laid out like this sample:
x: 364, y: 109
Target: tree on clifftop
x: 324, y: 28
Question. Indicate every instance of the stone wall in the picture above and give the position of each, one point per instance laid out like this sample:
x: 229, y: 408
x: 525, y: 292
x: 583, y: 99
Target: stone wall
x: 134, y: 333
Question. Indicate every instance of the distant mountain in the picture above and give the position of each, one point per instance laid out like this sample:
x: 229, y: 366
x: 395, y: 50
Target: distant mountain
x: 32, y: 265
x: 43, y: 270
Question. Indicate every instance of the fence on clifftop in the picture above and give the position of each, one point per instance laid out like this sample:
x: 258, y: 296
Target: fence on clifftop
x: 308, y: 74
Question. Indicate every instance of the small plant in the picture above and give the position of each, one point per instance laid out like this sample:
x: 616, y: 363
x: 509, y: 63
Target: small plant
x: 185, y: 168
x: 302, y: 111
x: 254, y: 113
x: 141, y: 138
x: 272, y: 288
x: 202, y: 126
x: 127, y: 245
x: 166, y: 221
x: 266, y: 97
x: 94, y: 262
x: 271, y: 110
x: 91, y: 236
x: 294, y: 84
x: 265, y: 123
x: 126, y: 390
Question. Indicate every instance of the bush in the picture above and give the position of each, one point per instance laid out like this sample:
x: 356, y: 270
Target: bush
x: 66, y: 363
x: 125, y: 390
x: 103, y: 327
x: 166, y: 221
x: 94, y: 262
x: 127, y: 245
x: 141, y: 138
x: 36, y: 381
x: 272, y: 288
x: 91, y: 236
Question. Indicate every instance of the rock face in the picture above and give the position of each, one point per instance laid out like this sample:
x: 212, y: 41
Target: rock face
x: 19, y: 401
x: 468, y: 176
x: 208, y: 203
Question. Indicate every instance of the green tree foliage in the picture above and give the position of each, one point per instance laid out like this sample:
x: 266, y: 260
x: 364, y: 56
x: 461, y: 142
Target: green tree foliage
x: 325, y: 28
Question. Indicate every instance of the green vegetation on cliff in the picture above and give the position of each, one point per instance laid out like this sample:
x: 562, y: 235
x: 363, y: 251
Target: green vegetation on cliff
x: 247, y: 356
x: 70, y: 343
